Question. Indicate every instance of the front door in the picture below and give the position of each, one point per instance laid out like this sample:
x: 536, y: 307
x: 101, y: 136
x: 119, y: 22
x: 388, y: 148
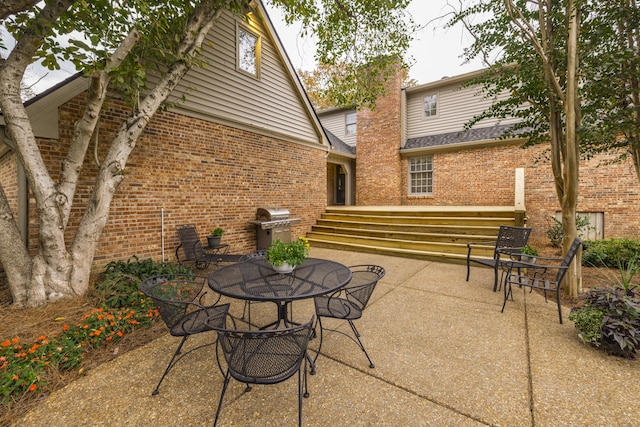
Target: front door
x: 340, y: 186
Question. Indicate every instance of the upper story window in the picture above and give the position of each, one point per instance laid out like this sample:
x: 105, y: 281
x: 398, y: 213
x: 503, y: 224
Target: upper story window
x: 248, y: 52
x: 430, y: 105
x: 421, y: 175
x: 350, y: 123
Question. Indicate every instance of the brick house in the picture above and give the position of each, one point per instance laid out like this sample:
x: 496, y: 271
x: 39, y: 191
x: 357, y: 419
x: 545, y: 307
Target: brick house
x: 246, y: 136
x: 412, y: 151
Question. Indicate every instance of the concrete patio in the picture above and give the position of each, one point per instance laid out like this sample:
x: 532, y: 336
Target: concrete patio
x: 444, y: 355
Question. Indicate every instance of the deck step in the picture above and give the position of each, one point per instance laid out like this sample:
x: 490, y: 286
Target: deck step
x: 434, y: 233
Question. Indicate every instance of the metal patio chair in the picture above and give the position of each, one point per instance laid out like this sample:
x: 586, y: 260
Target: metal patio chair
x: 262, y: 253
x: 546, y: 277
x: 510, y: 239
x: 192, y: 248
x: 264, y: 357
x: 180, y: 301
x: 349, y: 302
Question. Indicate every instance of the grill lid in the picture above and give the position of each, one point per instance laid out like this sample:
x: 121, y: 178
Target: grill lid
x: 272, y: 214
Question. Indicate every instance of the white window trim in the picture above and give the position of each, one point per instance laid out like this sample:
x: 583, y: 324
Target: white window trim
x: 346, y: 123
x: 240, y: 27
x: 424, y: 113
x: 409, y: 173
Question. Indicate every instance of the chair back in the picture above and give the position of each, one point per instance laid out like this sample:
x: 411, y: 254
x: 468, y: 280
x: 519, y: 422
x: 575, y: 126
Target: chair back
x: 364, y: 279
x: 190, y: 242
x: 510, y: 237
x: 262, y: 253
x: 173, y: 294
x: 566, y: 262
x: 264, y: 356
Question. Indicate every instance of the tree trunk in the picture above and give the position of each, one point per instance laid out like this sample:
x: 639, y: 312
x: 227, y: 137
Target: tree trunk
x: 57, y: 271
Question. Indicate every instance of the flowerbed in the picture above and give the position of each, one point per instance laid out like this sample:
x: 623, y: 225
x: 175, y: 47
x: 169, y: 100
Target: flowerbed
x: 123, y: 308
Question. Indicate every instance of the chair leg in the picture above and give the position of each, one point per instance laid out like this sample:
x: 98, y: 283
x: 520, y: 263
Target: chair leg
x: 313, y: 371
x: 300, y: 398
x: 506, y: 295
x: 468, y: 269
x: 225, y: 383
x: 495, y: 277
x: 559, y: 306
x: 357, y: 334
x: 170, y: 365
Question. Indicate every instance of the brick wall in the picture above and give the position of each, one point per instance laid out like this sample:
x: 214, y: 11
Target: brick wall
x: 378, y: 166
x: 486, y: 177
x: 197, y: 172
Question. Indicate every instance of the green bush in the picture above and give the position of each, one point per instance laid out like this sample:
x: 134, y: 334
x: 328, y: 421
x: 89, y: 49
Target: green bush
x: 619, y: 312
x: 554, y: 233
x: 118, y: 285
x: 23, y: 366
x: 615, y: 253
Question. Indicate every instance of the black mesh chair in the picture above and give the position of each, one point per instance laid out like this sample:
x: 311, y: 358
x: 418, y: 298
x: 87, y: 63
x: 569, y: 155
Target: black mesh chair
x: 510, y: 239
x: 546, y: 277
x: 246, y: 311
x: 180, y: 302
x: 194, y: 252
x: 264, y: 357
x: 349, y: 302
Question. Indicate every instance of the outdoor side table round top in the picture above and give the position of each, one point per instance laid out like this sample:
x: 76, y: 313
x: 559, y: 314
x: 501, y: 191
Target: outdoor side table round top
x: 256, y: 280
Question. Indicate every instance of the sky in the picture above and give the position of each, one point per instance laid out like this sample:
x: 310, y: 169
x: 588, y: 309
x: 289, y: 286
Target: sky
x: 436, y: 51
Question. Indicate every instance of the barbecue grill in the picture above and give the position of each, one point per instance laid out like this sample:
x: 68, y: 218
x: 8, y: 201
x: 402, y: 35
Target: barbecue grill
x: 273, y: 223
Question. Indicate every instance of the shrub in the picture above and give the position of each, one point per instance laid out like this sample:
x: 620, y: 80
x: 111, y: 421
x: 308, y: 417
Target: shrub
x: 118, y: 284
x: 619, y: 332
x: 616, y: 253
x: 23, y: 366
x: 554, y: 233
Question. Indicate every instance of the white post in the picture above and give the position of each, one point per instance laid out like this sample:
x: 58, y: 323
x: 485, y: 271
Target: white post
x: 519, y: 197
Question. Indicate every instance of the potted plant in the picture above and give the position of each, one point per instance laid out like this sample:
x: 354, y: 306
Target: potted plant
x: 528, y: 254
x: 214, y: 239
x: 285, y: 256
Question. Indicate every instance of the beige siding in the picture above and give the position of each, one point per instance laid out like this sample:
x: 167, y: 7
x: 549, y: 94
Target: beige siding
x: 456, y: 106
x: 335, y: 122
x: 271, y: 103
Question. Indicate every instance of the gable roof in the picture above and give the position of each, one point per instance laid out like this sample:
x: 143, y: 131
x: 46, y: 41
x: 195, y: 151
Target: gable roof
x: 338, y: 145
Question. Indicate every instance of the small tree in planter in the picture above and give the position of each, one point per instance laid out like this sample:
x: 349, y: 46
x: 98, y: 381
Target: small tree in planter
x: 214, y: 239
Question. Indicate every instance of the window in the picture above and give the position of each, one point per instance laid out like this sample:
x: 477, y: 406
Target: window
x: 421, y: 175
x: 248, y: 52
x: 430, y: 105
x: 350, y: 123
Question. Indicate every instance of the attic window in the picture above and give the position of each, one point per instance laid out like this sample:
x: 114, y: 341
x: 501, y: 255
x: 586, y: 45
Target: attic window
x: 350, y: 123
x: 430, y: 105
x: 248, y: 52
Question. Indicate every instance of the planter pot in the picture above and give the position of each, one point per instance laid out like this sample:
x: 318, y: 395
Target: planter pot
x: 213, y: 241
x: 528, y: 258
x: 284, y: 268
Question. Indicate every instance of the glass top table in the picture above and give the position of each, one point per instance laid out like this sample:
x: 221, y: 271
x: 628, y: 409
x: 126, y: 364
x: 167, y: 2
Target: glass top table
x: 256, y: 280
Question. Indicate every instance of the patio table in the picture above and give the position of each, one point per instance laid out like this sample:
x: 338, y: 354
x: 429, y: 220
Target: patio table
x: 256, y: 280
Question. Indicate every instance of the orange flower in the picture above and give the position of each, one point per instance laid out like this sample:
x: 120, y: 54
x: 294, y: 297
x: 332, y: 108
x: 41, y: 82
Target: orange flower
x: 65, y: 328
x: 6, y: 343
x: 120, y: 334
x: 98, y: 332
x: 15, y: 340
x: 33, y: 387
x: 15, y: 377
x: 85, y: 326
x: 109, y: 338
x: 41, y: 338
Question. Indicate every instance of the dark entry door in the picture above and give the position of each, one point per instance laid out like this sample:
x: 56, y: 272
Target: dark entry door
x: 340, y: 187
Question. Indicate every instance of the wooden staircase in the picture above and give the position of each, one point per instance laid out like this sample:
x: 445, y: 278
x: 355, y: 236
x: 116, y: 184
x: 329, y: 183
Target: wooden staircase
x: 438, y: 233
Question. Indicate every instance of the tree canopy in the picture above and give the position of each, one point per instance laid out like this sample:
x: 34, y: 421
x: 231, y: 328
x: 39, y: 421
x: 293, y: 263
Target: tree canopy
x: 119, y: 45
